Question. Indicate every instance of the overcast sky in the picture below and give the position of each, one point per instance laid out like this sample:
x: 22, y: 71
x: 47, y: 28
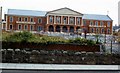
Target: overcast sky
x: 82, y: 6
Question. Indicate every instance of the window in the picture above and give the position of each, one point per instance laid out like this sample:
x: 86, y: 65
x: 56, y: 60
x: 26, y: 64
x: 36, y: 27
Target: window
x: 97, y: 30
x: 11, y: 19
x: 72, y: 20
x: 78, y: 20
x: 96, y: 23
x: 39, y: 20
x: 108, y: 30
x: 26, y: 19
x: 92, y: 30
x: 51, y: 19
x: 19, y: 19
x: 108, y: 24
x: 58, y: 19
x: 102, y: 31
x: 91, y: 23
x: 31, y: 27
x: 39, y: 28
x: 19, y: 27
x: 31, y: 19
x: 25, y: 27
x: 84, y: 22
x: 65, y: 19
x: 11, y: 27
x: 101, y: 23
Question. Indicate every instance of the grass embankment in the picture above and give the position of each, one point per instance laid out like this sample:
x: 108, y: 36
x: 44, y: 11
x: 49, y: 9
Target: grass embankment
x: 28, y: 37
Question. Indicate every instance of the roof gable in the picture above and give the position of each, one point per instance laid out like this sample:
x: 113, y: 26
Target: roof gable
x: 25, y: 12
x: 64, y: 11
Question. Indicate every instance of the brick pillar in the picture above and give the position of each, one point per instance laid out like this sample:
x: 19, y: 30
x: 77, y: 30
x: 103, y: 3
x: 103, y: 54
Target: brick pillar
x: 61, y: 19
x: 61, y: 28
x: 68, y: 28
x: 54, y: 28
x: 74, y: 29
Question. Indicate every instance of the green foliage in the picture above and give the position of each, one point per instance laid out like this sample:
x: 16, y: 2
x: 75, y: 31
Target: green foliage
x: 33, y: 38
x: 81, y: 41
x: 19, y: 37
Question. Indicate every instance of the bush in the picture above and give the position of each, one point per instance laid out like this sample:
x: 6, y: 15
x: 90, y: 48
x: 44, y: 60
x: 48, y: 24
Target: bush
x: 20, y: 37
x: 81, y: 41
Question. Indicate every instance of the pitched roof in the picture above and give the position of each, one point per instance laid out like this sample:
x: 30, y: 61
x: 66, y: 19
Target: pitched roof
x: 65, y: 10
x: 96, y: 17
x: 26, y: 12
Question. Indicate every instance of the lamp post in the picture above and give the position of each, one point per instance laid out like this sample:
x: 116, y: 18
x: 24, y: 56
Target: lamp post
x: 105, y: 37
x: 85, y: 32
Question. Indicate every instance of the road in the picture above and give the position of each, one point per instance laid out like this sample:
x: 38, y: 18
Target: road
x: 38, y: 71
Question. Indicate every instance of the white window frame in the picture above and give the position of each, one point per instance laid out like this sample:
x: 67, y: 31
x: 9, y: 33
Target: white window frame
x: 18, y: 26
x: 102, y: 30
x: 25, y: 18
x: 24, y: 27
x: 96, y: 23
x: 32, y: 27
x: 40, y: 19
x: 91, y: 23
x: 101, y: 23
x: 108, y: 24
x: 19, y: 18
x: 32, y: 19
x: 11, y: 18
x: 97, y: 30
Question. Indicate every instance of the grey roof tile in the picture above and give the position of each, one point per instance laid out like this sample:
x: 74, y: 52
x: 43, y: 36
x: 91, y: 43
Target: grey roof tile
x: 96, y: 17
x: 26, y: 12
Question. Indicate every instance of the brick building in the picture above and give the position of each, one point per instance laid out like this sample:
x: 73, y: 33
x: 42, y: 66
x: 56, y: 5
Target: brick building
x: 59, y: 20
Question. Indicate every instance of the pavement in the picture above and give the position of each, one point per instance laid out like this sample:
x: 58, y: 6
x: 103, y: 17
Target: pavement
x: 25, y: 66
x: 37, y: 71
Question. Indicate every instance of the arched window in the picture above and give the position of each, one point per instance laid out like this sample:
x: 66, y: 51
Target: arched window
x: 96, y: 23
x: 102, y: 30
x: 91, y: 23
x: 101, y: 23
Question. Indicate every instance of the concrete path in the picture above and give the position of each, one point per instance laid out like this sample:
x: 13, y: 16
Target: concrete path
x: 57, y: 67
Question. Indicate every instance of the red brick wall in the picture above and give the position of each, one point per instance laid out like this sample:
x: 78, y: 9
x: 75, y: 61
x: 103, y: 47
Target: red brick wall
x: 15, y: 25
